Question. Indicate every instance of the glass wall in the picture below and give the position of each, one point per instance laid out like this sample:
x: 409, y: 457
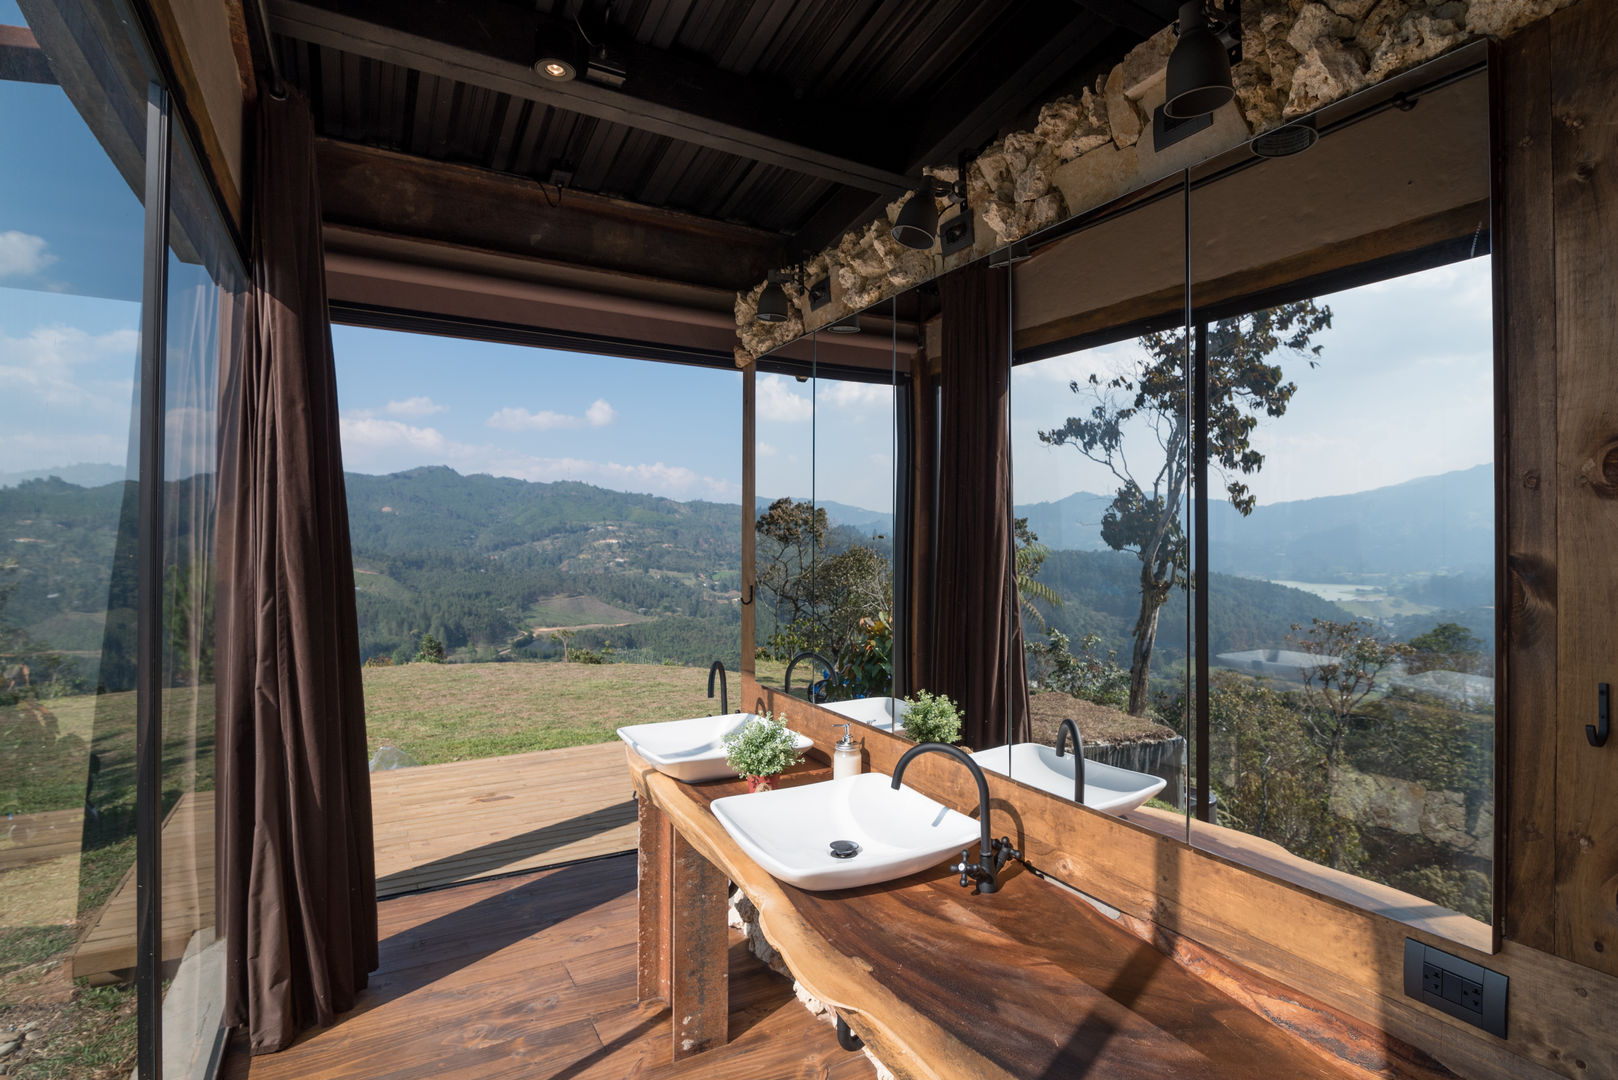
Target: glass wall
x: 1350, y: 574
x: 73, y: 232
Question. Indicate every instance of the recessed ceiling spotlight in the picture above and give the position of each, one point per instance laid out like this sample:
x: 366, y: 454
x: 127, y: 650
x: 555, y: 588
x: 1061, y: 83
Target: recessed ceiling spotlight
x: 1284, y: 141
x: 559, y: 54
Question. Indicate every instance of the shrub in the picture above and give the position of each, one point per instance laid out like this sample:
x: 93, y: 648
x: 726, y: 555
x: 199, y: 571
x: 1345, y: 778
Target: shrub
x: 932, y: 719
x: 761, y: 747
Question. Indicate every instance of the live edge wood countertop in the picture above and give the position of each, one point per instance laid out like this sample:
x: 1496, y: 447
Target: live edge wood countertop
x: 1027, y: 982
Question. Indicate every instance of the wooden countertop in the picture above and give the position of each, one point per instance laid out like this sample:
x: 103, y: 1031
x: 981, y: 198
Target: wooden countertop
x: 1030, y: 981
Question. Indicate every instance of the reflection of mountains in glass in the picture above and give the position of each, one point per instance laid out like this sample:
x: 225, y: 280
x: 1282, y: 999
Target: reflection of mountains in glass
x: 68, y: 576
x: 1427, y: 525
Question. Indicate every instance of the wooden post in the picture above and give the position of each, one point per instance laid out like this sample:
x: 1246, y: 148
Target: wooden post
x: 683, y: 948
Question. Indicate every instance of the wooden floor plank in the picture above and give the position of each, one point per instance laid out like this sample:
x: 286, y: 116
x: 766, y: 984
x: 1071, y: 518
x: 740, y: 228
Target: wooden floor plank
x: 533, y: 976
x: 433, y: 825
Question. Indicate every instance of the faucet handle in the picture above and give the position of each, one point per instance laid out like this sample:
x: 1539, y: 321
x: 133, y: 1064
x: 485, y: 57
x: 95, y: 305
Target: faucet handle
x: 965, y: 869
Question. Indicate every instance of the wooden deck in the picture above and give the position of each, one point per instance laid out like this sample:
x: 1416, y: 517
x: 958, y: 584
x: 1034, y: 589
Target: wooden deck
x: 435, y: 825
x: 438, y: 824
x: 533, y: 976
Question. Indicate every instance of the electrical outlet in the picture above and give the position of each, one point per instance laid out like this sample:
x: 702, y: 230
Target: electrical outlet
x: 1464, y: 990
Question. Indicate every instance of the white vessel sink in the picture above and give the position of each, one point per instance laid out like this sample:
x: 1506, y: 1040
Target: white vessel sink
x: 1106, y: 787
x: 789, y: 832
x: 878, y: 712
x: 691, y: 750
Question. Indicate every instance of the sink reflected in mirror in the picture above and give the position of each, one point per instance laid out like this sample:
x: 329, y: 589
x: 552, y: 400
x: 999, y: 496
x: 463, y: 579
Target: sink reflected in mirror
x: 692, y: 750
x: 1106, y: 787
x: 876, y: 712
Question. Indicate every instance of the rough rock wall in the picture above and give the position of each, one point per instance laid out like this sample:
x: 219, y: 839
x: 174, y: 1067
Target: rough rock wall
x: 1298, y: 55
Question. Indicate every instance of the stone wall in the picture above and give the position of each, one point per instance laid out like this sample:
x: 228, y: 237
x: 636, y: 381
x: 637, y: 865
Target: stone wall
x: 1083, y: 151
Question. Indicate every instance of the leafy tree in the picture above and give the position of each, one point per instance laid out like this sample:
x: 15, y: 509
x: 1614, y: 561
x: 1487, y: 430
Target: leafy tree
x: 789, y: 534
x: 1446, y: 647
x: 431, y: 650
x: 1144, y: 516
x: 1087, y: 675
x: 565, y: 637
x: 1031, y: 555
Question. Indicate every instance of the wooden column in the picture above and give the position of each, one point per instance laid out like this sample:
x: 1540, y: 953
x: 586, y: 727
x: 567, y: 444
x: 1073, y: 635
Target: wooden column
x: 683, y: 948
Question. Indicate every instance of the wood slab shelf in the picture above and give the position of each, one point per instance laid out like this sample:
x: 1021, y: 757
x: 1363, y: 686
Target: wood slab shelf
x: 1030, y: 981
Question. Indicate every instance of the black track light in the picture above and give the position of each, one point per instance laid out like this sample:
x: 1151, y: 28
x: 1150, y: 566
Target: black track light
x: 848, y: 324
x: 917, y: 224
x: 772, y: 302
x: 1198, y: 80
x: 560, y: 54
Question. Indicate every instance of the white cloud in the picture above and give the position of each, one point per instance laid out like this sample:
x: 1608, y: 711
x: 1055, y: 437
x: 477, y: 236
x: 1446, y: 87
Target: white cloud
x: 371, y: 444
x: 47, y: 365
x: 22, y: 254
x: 764, y: 449
x: 416, y: 406
x: 511, y: 418
x: 853, y: 397
x: 779, y: 402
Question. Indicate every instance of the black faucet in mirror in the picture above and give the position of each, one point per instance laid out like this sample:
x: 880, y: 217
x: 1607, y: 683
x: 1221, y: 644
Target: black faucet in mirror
x: 829, y: 681
x: 1063, y: 730
x: 992, y: 854
x: 718, y: 668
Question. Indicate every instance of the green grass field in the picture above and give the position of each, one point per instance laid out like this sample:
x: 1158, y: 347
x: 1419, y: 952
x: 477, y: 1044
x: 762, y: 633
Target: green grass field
x: 456, y: 712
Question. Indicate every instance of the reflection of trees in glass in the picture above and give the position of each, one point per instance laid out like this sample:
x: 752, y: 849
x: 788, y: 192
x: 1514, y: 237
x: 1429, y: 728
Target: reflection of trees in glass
x: 1144, y: 516
x: 836, y: 603
x: 1447, y: 647
x: 1031, y: 555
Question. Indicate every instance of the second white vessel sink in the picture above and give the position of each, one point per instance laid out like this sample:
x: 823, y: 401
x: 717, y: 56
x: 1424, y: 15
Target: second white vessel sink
x: 692, y: 750
x: 882, y: 713
x: 791, y: 832
x: 1106, y: 787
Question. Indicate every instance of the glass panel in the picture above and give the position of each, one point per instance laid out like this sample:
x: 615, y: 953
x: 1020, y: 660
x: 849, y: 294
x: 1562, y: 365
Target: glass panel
x: 207, y: 291
x: 1100, y: 459
x: 71, y: 178
x: 1351, y: 499
x: 853, y: 580
x: 785, y: 545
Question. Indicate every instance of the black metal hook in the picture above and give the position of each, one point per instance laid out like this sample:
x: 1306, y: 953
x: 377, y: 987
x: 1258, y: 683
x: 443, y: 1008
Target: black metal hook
x: 1597, y: 733
x: 749, y: 599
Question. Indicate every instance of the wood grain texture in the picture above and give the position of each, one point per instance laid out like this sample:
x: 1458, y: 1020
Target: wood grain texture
x: 1525, y: 335
x: 699, y: 992
x: 534, y: 976
x: 1028, y: 981
x: 438, y: 824
x: 652, y: 904
x: 1349, y: 955
x: 1584, y: 162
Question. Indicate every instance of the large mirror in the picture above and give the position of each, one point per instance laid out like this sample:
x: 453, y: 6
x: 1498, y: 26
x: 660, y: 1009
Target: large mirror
x: 1101, y: 441
x: 825, y: 522
x: 1342, y: 314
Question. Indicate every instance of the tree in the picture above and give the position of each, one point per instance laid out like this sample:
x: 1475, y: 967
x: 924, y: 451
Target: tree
x: 1144, y: 516
x: 1030, y: 557
x: 1446, y: 647
x: 431, y: 650
x: 1348, y: 660
x: 789, y: 533
x: 566, y: 638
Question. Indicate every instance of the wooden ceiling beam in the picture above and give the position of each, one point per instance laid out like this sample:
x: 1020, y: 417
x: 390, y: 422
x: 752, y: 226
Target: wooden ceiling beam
x: 1001, y: 78
x: 490, y: 44
x: 408, y: 196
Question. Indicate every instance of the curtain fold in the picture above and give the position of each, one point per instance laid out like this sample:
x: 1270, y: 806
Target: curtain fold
x: 297, y: 879
x: 977, y: 647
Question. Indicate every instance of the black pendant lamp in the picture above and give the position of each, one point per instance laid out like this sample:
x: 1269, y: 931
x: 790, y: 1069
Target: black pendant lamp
x: 1199, y: 67
x: 917, y: 224
x: 772, y: 302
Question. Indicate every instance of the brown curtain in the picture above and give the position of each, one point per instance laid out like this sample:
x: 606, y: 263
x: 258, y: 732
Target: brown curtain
x: 296, y: 872
x: 977, y: 649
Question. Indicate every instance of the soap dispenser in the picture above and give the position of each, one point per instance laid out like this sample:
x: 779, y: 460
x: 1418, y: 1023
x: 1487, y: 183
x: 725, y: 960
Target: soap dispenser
x: 845, y: 758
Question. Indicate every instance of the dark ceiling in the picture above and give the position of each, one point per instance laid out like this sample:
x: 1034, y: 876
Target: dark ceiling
x: 795, y: 118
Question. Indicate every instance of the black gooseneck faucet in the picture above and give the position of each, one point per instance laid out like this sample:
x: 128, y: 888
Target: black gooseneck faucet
x: 1066, y: 727
x: 809, y: 654
x: 718, y: 668
x: 992, y: 854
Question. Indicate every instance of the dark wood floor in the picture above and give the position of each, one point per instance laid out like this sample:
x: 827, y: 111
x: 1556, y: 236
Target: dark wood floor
x: 533, y: 976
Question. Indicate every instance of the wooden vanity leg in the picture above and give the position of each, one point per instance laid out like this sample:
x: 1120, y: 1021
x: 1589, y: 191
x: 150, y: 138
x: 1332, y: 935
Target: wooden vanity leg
x: 652, y: 940
x: 699, y: 957
x: 683, y: 947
